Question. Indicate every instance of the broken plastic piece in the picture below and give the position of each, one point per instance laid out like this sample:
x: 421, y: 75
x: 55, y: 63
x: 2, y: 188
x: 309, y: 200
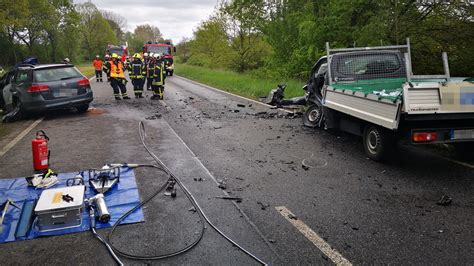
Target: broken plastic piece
x: 445, y: 200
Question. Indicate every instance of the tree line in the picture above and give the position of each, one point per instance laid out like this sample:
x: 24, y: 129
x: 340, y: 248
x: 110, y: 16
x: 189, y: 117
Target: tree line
x: 52, y: 30
x: 286, y: 37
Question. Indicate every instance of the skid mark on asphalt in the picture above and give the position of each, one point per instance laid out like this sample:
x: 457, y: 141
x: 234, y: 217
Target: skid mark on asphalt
x: 322, y: 245
x: 12, y: 143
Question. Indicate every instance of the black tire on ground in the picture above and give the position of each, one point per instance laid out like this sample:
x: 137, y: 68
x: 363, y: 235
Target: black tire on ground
x: 82, y: 108
x: 17, y: 113
x: 379, y: 142
x: 464, y: 150
x: 313, y: 115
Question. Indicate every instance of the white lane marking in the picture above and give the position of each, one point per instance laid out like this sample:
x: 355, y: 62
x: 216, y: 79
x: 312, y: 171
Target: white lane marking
x: 322, y: 245
x: 229, y: 93
x: 456, y: 162
x: 90, y: 79
x: 246, y: 217
x: 12, y: 143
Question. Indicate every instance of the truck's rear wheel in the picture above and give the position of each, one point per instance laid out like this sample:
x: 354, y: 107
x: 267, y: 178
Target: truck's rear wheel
x: 378, y: 142
x: 312, y: 117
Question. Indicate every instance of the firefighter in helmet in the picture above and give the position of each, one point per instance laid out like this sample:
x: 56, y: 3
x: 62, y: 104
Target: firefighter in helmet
x: 159, y: 76
x: 149, y: 71
x: 117, y: 78
x: 106, y: 66
x: 137, y: 72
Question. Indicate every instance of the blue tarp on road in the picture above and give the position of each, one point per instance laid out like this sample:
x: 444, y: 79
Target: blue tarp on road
x: 123, y: 197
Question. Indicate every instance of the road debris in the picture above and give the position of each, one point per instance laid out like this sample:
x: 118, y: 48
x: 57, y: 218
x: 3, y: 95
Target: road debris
x: 294, y: 115
x: 192, y: 209
x: 238, y: 199
x: 263, y: 206
x: 304, y: 166
x: 241, y: 105
x: 293, y: 217
x: 154, y: 117
x: 445, y: 200
x: 198, y: 179
x: 222, y: 184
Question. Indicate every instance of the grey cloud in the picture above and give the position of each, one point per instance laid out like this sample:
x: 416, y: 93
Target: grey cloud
x: 176, y: 19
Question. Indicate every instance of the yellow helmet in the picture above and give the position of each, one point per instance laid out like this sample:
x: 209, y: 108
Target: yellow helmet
x: 114, y: 55
x: 137, y: 55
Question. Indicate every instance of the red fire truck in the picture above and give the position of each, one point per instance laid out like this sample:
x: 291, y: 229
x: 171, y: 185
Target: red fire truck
x: 166, y: 49
x: 121, y: 51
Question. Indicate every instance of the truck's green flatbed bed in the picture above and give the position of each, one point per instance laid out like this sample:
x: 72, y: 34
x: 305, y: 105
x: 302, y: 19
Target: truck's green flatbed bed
x: 386, y: 88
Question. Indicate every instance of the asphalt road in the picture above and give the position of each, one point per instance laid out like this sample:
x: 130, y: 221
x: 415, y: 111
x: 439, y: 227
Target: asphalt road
x: 365, y: 211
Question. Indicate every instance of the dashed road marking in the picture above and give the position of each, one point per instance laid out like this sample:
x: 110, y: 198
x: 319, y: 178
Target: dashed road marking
x: 322, y: 245
x: 12, y: 143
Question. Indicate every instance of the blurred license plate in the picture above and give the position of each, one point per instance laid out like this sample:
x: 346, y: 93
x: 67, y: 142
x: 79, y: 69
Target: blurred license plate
x: 462, y: 134
x: 65, y: 93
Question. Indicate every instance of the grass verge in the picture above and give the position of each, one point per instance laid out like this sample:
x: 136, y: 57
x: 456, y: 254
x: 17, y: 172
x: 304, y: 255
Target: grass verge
x: 240, y: 84
x: 86, y: 69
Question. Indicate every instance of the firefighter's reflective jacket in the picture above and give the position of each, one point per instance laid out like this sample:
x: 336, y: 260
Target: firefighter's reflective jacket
x: 137, y: 69
x: 158, y: 74
x: 116, y: 70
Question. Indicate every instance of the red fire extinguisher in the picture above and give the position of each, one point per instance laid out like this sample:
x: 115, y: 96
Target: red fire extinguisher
x: 39, y: 146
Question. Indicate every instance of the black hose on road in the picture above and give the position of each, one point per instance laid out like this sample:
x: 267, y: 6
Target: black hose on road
x: 204, y: 219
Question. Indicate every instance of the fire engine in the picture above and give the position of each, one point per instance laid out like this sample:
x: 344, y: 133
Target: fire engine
x: 166, y: 49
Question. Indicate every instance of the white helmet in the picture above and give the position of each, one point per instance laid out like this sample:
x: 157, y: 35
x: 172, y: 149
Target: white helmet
x: 150, y: 54
x: 145, y: 54
x: 156, y: 55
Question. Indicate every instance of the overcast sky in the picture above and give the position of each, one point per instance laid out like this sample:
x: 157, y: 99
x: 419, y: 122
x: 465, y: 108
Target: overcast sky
x: 175, y: 18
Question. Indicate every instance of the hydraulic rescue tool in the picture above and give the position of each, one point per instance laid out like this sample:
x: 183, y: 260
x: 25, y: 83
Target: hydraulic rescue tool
x: 102, y: 180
